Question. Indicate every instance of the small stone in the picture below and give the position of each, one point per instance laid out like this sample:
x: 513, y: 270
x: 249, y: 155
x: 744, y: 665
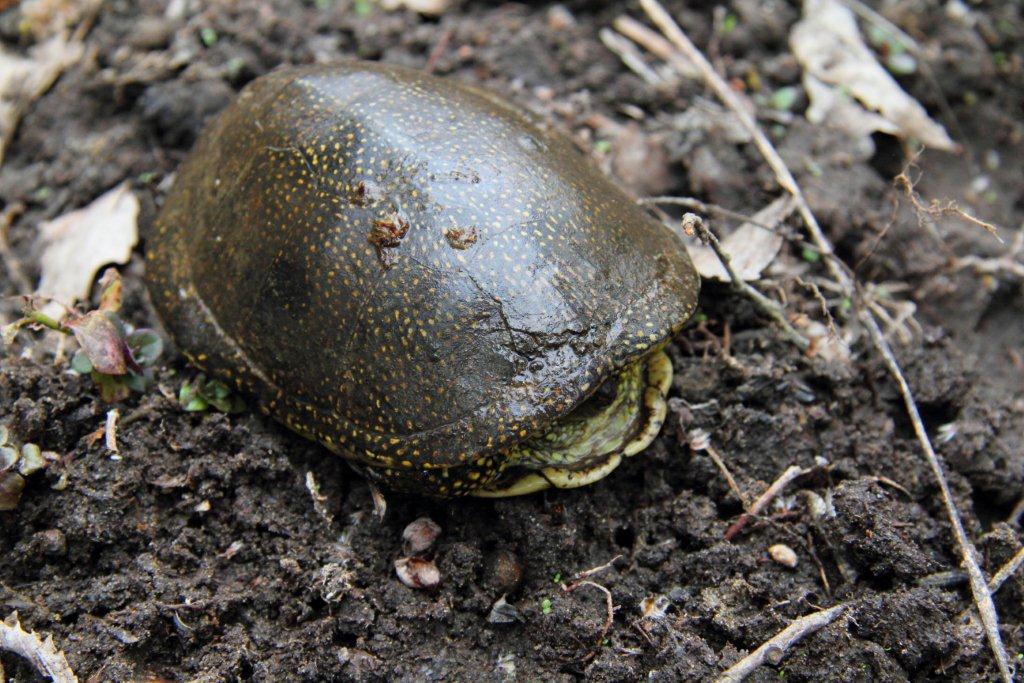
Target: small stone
x: 420, y: 535
x: 52, y: 542
x: 504, y: 572
x: 9, y: 457
x: 415, y: 572
x: 32, y: 459
x: 11, y: 486
x: 783, y: 554
x: 503, y: 612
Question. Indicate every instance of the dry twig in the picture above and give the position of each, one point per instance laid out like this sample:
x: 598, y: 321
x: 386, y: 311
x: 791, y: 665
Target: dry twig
x: 775, y: 648
x: 791, y: 473
x: 686, y: 52
x: 22, y: 284
x: 982, y: 596
x: 43, y: 654
x: 582, y: 579
x: 936, y: 209
x: 693, y: 222
x: 701, y: 441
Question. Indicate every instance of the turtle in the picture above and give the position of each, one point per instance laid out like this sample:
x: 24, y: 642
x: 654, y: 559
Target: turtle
x: 428, y: 280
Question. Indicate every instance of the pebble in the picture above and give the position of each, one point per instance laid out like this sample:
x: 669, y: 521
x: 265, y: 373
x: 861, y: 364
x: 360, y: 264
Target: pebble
x: 783, y: 554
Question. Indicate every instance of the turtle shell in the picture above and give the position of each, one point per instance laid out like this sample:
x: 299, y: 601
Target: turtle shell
x: 411, y: 271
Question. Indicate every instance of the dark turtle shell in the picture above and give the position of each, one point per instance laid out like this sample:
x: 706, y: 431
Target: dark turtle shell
x: 411, y: 271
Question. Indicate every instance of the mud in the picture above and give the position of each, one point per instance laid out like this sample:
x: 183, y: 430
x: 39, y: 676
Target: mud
x: 198, y: 552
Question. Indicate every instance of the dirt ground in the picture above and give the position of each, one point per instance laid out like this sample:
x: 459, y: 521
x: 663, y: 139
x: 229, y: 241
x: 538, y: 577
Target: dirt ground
x: 200, y: 554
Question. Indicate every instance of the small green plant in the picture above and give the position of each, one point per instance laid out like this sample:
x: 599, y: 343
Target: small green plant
x: 545, y: 606
x: 208, y: 35
x: 729, y: 24
x: 810, y: 255
x: 558, y: 577
x: 18, y: 461
x: 200, y: 394
x: 363, y: 8
x: 118, y: 357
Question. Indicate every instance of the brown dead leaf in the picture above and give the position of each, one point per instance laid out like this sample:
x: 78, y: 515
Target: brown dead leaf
x: 751, y: 247
x: 25, y: 79
x: 847, y: 86
x: 78, y: 244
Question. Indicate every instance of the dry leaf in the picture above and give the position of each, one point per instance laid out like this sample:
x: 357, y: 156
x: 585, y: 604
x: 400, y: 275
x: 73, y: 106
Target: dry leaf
x: 43, y: 654
x: 25, y: 79
x: 79, y: 243
x: 102, y: 342
x: 751, y: 247
x: 45, y: 18
x: 840, y: 71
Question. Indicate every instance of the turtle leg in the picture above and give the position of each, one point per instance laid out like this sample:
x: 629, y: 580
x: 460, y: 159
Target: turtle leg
x: 659, y: 379
x: 553, y: 477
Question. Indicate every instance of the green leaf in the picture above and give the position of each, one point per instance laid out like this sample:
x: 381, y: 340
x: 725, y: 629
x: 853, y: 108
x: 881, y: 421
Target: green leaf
x: 196, y: 405
x: 208, y: 35
x: 729, y: 23
x: 146, y: 346
x: 545, y: 606
x: 112, y: 388
x: 80, y: 363
x: 784, y: 99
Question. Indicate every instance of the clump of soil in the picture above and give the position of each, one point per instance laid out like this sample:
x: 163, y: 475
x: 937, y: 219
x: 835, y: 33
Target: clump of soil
x: 202, y: 550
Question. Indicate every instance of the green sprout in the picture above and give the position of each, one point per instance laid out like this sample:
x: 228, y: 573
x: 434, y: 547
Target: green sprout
x: 545, y: 606
x: 117, y: 357
x: 729, y: 23
x: 363, y: 8
x: 603, y: 146
x: 208, y: 35
x: 810, y: 255
x: 201, y: 394
x: 784, y: 99
x: 558, y: 577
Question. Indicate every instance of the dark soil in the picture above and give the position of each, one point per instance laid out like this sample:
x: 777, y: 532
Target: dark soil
x: 198, y: 553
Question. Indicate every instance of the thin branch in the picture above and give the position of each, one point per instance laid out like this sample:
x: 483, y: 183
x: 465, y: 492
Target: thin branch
x: 936, y: 209
x: 767, y: 306
x: 791, y: 473
x: 1006, y: 571
x: 587, y: 573
x: 979, y: 589
x: 688, y: 52
x: 22, y: 284
x: 609, y: 605
x: 631, y: 57
x: 701, y: 441
x: 582, y: 579
x: 775, y: 648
